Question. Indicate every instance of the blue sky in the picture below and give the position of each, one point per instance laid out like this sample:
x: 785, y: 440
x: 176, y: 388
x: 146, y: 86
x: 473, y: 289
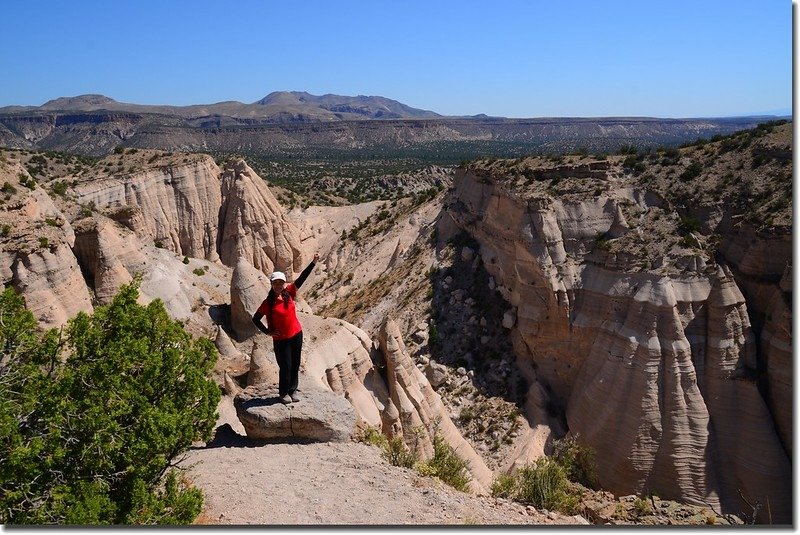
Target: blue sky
x: 512, y: 58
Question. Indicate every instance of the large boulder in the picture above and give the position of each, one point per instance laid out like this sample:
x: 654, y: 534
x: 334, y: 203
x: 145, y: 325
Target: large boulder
x: 320, y: 415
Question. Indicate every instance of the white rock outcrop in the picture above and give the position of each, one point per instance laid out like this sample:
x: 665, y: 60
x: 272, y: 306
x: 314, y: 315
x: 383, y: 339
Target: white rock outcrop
x: 176, y: 205
x: 253, y: 225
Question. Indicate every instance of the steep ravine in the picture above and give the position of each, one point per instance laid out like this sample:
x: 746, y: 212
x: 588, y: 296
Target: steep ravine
x: 653, y: 362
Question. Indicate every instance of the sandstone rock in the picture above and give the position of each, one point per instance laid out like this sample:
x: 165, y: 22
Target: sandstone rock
x: 629, y: 353
x: 619, y: 225
x: 225, y: 346
x: 509, y: 319
x: 50, y: 281
x: 777, y: 352
x: 249, y: 288
x: 436, y: 374
x: 320, y: 415
x: 177, y: 204
x: 100, y: 246
x: 253, y: 225
x: 263, y: 366
x: 421, y: 409
x: 229, y: 385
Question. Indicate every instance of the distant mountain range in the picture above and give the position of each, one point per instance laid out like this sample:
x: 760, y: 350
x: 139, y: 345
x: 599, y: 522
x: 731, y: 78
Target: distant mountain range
x: 279, y: 106
x: 285, y: 123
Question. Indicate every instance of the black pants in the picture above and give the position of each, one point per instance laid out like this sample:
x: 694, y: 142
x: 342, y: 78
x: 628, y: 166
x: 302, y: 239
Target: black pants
x: 287, y: 353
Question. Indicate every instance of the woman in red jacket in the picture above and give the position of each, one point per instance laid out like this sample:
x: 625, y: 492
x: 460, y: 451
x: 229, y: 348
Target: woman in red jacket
x: 285, y: 329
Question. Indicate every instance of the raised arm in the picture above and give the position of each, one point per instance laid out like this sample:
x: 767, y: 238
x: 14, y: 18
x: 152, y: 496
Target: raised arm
x: 306, y: 272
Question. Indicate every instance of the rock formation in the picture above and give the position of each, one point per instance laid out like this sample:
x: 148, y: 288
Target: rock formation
x: 249, y: 287
x: 320, y: 415
x: 35, y: 253
x: 175, y: 205
x: 420, y: 409
x: 650, y: 366
x: 253, y: 225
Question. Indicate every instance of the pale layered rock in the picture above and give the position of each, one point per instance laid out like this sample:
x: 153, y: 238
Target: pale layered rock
x: 178, y: 205
x: 778, y: 355
x: 253, y: 225
x: 421, y: 409
x: 249, y: 288
x: 36, y: 257
x: 263, y: 366
x: 751, y: 458
x: 100, y: 246
x: 50, y: 281
x: 110, y: 255
x: 225, y: 345
x: 339, y: 358
x: 624, y: 351
x: 321, y: 227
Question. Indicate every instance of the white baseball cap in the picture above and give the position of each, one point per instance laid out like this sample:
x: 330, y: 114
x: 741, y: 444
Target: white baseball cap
x: 277, y: 276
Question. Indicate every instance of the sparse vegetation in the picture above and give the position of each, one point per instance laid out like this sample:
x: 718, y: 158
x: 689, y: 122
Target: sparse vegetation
x: 446, y: 465
x: 542, y: 484
x: 548, y: 481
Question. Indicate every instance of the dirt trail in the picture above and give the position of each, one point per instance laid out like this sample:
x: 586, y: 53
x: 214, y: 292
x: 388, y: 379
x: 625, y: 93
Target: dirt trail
x: 252, y: 482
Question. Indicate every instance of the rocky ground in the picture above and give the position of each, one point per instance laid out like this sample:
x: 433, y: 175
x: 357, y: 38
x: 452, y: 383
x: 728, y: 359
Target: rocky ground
x: 252, y: 482
x: 249, y: 482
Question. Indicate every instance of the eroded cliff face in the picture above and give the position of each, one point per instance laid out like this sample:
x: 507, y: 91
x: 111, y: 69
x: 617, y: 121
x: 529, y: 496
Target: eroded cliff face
x: 174, y: 205
x: 179, y: 222
x: 36, y: 256
x: 649, y: 348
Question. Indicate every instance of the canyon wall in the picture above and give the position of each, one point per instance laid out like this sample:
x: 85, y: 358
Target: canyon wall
x: 656, y: 369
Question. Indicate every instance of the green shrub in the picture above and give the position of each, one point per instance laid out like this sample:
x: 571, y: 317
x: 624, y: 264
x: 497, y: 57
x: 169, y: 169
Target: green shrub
x: 185, y: 259
x: 92, y: 420
x: 398, y: 454
x: 44, y: 242
x: 504, y: 486
x: 373, y: 436
x: 59, y: 187
x: 547, y: 482
x: 692, y: 171
x: 5, y: 230
x: 446, y: 465
x: 199, y: 271
x: 641, y: 507
x: 688, y: 224
x: 8, y: 188
x: 543, y: 484
x: 577, y: 461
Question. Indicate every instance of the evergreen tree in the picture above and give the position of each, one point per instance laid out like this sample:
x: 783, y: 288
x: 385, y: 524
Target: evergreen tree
x: 92, y: 419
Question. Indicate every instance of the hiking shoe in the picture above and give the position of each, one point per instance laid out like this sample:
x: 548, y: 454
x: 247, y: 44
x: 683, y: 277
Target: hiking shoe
x: 285, y: 399
x: 294, y: 397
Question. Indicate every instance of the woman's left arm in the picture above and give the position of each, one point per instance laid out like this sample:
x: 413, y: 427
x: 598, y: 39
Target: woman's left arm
x: 306, y: 272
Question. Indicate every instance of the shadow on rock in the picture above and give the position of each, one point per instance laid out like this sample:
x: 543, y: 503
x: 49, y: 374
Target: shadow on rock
x: 226, y: 437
